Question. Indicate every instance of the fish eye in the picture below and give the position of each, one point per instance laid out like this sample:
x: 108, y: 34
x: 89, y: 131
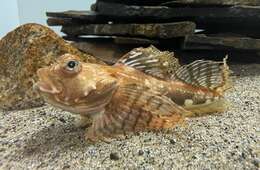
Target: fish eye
x: 71, y: 65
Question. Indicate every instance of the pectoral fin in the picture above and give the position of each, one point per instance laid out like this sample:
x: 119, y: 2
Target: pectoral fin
x: 135, y: 108
x: 98, y: 98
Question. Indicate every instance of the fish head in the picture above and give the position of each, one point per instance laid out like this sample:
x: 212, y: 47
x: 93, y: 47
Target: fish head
x: 75, y: 86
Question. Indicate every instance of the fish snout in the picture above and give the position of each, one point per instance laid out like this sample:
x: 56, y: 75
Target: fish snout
x: 45, y: 83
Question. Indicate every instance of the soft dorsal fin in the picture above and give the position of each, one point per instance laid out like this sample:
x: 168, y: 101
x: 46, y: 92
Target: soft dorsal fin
x: 205, y: 73
x: 139, y: 108
x: 151, y: 61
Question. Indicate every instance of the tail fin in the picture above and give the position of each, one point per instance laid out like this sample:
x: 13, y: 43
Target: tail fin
x: 206, y: 74
x: 209, y: 74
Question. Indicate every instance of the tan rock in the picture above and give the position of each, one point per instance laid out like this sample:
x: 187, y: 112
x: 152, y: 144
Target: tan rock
x: 22, y: 52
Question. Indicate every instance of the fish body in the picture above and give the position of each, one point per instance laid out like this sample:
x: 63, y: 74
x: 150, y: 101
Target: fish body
x: 124, y: 98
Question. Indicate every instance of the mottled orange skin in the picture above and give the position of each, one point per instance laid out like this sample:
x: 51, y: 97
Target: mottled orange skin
x: 98, y: 91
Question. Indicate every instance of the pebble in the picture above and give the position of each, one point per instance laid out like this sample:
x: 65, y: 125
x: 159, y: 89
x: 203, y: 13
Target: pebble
x: 114, y: 156
x: 173, y: 141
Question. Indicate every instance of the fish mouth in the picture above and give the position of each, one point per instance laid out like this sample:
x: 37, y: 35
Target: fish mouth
x: 45, y: 84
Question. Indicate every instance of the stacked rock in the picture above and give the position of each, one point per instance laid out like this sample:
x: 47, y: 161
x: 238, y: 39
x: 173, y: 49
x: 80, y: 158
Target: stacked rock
x: 179, y: 25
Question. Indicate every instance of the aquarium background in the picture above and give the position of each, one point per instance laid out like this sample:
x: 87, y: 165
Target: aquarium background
x: 17, y: 12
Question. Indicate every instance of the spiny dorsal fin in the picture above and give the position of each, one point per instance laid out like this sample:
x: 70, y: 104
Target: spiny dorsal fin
x: 151, y: 61
x: 139, y: 108
x: 205, y: 73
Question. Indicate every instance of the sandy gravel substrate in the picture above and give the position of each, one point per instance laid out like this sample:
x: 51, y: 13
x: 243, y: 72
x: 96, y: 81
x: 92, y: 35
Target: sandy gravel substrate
x: 46, y: 138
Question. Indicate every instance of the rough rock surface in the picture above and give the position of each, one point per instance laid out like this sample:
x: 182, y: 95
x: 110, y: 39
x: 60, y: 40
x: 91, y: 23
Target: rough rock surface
x: 45, y: 138
x: 22, y: 52
x: 158, y: 30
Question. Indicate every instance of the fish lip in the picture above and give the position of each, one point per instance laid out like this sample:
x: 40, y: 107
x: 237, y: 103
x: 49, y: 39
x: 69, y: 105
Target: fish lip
x: 41, y: 84
x: 44, y: 87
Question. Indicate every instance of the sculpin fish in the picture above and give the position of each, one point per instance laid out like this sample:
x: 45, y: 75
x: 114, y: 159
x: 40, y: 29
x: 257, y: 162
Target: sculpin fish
x: 133, y: 95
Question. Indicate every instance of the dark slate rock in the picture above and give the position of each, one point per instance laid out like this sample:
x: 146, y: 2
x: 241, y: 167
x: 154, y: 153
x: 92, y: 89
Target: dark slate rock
x: 231, y: 29
x: 234, y: 56
x: 214, y: 2
x: 198, y: 14
x: 115, y: 39
x: 137, y: 2
x: 122, y: 10
x: 73, y: 21
x: 60, y: 21
x: 203, y: 42
x: 103, y: 49
x: 160, y: 30
x: 72, y: 17
x: 86, y: 15
x: 139, y: 41
x: 90, y: 17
